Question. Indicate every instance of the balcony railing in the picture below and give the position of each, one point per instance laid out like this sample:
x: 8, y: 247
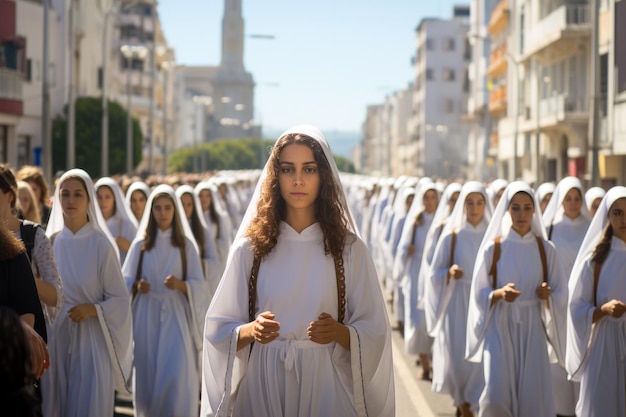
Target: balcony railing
x: 560, y: 105
x: 499, y: 13
x: 11, y: 84
x: 497, y: 98
x: 549, y: 29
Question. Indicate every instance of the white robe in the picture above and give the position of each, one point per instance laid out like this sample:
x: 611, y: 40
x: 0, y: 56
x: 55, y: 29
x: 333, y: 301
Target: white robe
x: 567, y: 235
x: 292, y: 376
x: 596, y: 352
x: 446, y: 306
x: 166, y: 332
x: 416, y: 339
x: 89, y: 360
x: 510, y: 338
x: 121, y: 227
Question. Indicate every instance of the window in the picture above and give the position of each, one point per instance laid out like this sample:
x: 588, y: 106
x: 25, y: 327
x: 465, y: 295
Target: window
x: 448, y: 74
x: 430, y: 44
x: 467, y: 50
x: 4, y: 139
x: 449, y: 105
x: 604, y: 83
x: 100, y: 79
x: 430, y: 75
x: 28, y: 76
x: 466, y: 81
x: 23, y: 150
x: 521, y: 29
x: 448, y: 44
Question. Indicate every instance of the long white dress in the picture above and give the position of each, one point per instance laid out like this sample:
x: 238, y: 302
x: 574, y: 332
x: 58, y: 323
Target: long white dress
x: 567, y: 236
x: 120, y: 226
x: 416, y: 339
x: 292, y: 376
x: 510, y: 338
x: 89, y: 359
x: 165, y: 329
x: 596, y: 352
x: 447, y: 305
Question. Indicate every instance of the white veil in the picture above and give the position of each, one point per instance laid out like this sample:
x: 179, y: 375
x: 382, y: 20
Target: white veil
x: 137, y: 186
x: 94, y: 215
x: 188, y: 189
x: 316, y: 134
x: 592, y: 194
x: 122, y: 208
x: 554, y: 210
x: 159, y: 190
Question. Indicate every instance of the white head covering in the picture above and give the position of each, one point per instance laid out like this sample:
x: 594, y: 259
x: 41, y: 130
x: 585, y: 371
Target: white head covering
x: 545, y: 189
x: 137, y: 186
x: 495, y: 187
x: 211, y: 185
x: 316, y: 134
x: 596, y: 228
x: 458, y: 218
x: 592, y: 194
x: 188, y: 189
x: 501, y: 222
x: 554, y: 210
x: 441, y: 214
x: 158, y: 191
x: 122, y: 210
x: 56, y: 223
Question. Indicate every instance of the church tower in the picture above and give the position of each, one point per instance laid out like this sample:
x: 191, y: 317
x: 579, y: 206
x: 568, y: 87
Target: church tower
x: 233, y: 87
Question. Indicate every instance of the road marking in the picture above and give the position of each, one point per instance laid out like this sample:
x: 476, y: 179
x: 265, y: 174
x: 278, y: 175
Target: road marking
x: 403, y: 373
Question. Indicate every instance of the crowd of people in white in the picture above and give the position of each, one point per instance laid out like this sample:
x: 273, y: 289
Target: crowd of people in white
x: 510, y: 298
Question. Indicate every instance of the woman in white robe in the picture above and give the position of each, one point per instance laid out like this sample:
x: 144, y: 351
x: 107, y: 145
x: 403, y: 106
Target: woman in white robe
x: 596, y: 325
x: 217, y: 220
x: 448, y: 294
x: 119, y: 219
x: 508, y: 320
x: 406, y: 272
x: 593, y: 197
x: 168, y: 294
x: 305, y: 359
x: 203, y: 237
x: 91, y: 346
x: 136, y: 198
x: 544, y: 193
x: 566, y: 219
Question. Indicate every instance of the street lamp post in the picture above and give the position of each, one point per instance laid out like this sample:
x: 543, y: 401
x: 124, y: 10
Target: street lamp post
x: 130, y: 52
x: 71, y: 115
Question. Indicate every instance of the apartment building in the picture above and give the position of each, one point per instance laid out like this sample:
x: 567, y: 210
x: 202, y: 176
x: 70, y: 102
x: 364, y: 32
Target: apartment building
x: 441, y: 95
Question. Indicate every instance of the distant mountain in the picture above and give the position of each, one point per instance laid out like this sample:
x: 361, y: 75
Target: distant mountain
x: 341, y: 141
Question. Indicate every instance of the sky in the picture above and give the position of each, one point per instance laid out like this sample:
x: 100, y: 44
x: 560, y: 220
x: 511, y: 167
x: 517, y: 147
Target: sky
x: 328, y: 61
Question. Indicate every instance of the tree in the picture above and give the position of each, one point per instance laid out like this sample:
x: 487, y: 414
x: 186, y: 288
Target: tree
x: 89, y: 138
x: 232, y: 154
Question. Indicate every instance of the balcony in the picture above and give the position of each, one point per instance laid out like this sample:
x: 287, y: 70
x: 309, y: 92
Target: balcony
x: 497, y: 100
x: 497, y: 60
x: 561, y: 31
x: 499, y: 17
x: 11, y: 92
x: 494, y: 138
x: 561, y: 106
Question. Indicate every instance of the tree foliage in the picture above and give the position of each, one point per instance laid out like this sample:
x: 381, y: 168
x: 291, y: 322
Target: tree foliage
x: 231, y: 154
x: 88, y: 137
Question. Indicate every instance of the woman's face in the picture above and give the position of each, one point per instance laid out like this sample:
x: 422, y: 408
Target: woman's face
x: 25, y: 200
x: 298, y: 177
x: 594, y: 206
x: 106, y: 201
x: 544, y: 201
x: 187, y: 201
x: 617, y: 218
x: 163, y: 212
x: 474, y: 208
x: 138, y: 203
x: 430, y: 201
x: 36, y: 189
x: 74, y: 199
x: 521, y: 210
x: 452, y: 201
x: 5, y: 202
x: 572, y: 203
x: 205, y: 199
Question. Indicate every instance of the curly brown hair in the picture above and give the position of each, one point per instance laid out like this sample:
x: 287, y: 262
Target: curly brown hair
x: 271, y: 209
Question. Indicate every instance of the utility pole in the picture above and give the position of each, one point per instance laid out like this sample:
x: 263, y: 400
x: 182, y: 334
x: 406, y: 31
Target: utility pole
x: 71, y: 118
x: 594, y: 82
x: 152, y: 82
x: 46, y: 142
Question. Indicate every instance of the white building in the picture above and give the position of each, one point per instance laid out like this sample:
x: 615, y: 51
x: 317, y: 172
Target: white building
x: 441, y: 96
